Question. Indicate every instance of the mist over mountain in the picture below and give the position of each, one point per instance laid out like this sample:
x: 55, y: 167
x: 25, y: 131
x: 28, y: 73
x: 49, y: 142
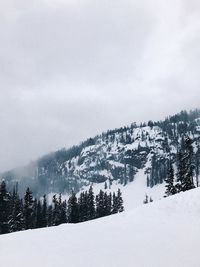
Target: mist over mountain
x: 114, y: 156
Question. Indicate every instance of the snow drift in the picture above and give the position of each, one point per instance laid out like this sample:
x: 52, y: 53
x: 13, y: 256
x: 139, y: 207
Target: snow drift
x: 160, y: 234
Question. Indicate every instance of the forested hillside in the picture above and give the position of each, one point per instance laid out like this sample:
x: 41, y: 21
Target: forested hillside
x: 114, y: 156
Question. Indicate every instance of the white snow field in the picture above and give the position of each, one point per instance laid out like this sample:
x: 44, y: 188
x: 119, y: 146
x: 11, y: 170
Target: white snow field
x: 165, y: 233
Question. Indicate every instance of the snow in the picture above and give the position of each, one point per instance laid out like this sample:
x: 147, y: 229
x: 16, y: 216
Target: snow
x: 164, y: 233
x: 134, y: 192
x: 116, y: 163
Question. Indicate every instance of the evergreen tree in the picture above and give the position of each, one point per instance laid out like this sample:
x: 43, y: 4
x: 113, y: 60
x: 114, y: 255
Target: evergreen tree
x: 44, y: 212
x: 85, y: 206
x: 34, y: 214
x: 39, y: 215
x: 81, y: 206
x: 90, y: 204
x: 4, y: 209
x: 185, y: 172
x: 63, y: 212
x: 108, y: 203
x: 73, y: 209
x: 100, y: 210
x: 197, y: 163
x: 55, y: 212
x: 170, y: 187
x: 120, y: 207
x: 17, y: 215
x: 50, y: 216
x: 16, y: 220
x: 114, y: 204
x: 28, y: 209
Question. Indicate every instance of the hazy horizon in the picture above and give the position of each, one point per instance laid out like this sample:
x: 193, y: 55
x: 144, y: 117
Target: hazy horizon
x: 71, y: 69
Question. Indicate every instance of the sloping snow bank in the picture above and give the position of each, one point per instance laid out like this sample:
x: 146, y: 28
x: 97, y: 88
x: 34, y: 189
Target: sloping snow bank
x: 165, y: 233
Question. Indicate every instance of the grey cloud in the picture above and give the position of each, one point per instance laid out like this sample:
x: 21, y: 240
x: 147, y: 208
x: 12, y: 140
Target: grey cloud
x: 71, y: 69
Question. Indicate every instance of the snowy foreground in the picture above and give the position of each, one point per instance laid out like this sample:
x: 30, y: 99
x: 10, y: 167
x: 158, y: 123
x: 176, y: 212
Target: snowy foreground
x: 165, y: 233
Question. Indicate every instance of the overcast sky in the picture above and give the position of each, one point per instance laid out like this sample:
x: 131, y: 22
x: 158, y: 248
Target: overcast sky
x: 70, y: 69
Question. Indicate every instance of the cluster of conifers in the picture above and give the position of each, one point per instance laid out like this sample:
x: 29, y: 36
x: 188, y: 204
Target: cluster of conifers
x: 187, y: 168
x: 17, y: 214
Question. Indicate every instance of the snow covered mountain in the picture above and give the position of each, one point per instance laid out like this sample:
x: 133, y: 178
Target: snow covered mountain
x: 113, y: 159
x: 160, y: 234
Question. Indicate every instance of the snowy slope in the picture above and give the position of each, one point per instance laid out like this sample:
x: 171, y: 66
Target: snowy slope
x: 116, y: 157
x: 161, y: 234
x: 133, y: 193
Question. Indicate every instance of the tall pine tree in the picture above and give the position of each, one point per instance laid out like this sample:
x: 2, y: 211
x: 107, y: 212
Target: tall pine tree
x: 170, y: 186
x: 185, y: 173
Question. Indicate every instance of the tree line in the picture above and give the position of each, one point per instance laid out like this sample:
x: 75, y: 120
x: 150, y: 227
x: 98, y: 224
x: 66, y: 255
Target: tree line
x: 17, y: 214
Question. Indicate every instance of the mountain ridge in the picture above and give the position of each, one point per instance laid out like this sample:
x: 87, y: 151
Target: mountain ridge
x: 115, y: 155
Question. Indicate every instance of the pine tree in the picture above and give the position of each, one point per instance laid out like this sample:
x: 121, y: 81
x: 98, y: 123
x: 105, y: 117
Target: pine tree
x: 180, y: 170
x: 108, y: 203
x: 197, y: 163
x: 120, y: 207
x: 16, y: 219
x: 28, y: 209
x: 105, y: 204
x: 4, y: 209
x: 81, y: 206
x: 34, y: 214
x: 38, y: 215
x: 73, y: 209
x: 185, y: 172
x: 63, y: 212
x: 55, y: 212
x: 90, y: 204
x: 114, y: 204
x: 50, y: 216
x: 44, y: 212
x: 100, y: 211
x: 85, y: 207
x: 170, y: 187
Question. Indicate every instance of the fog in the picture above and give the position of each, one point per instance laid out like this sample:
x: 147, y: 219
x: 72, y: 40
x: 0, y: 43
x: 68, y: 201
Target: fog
x: 72, y: 69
